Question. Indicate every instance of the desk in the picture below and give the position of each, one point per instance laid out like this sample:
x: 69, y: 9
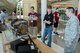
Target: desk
x: 42, y: 47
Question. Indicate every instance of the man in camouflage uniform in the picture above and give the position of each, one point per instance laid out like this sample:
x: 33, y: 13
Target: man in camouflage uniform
x: 71, y: 31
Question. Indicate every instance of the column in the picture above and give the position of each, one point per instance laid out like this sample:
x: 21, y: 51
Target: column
x: 27, y: 4
x: 75, y: 3
x: 43, y: 12
x: 79, y: 7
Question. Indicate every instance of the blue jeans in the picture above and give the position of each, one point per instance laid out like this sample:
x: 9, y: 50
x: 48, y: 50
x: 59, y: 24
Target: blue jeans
x: 47, y: 32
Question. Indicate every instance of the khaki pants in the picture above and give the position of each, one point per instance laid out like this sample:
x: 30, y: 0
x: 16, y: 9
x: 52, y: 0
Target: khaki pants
x: 33, y: 31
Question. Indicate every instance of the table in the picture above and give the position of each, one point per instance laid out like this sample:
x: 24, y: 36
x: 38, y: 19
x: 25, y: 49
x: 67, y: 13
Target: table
x: 6, y: 44
x: 42, y: 47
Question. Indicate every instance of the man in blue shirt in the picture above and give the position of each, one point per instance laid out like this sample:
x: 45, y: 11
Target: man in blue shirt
x: 2, y: 16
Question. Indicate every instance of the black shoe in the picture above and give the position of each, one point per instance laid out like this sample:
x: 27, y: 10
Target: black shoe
x: 0, y: 31
x: 56, y: 33
x: 39, y: 36
x: 79, y: 40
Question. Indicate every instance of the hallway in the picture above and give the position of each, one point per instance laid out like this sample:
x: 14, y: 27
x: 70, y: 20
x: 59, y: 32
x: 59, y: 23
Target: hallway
x: 19, y: 9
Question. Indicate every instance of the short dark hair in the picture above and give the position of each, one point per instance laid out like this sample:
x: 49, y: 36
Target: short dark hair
x: 57, y: 8
x: 14, y: 11
x: 3, y: 10
x: 32, y: 7
x: 71, y: 9
x: 49, y: 7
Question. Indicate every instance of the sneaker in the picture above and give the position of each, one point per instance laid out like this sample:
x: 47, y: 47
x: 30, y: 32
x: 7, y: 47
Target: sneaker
x: 0, y: 31
x: 39, y: 36
x: 79, y: 40
x: 56, y: 33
